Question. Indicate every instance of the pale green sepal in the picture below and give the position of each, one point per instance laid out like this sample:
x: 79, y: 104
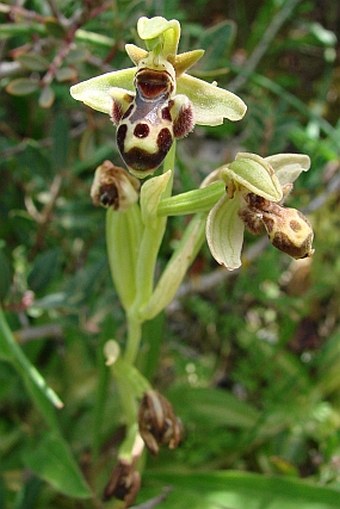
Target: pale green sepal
x: 123, y: 237
x: 176, y: 268
x: 288, y: 167
x: 211, y: 104
x: 254, y: 174
x: 151, y: 195
x: 99, y: 92
x: 224, y: 232
x: 184, y: 61
x: 135, y: 53
x: 158, y: 31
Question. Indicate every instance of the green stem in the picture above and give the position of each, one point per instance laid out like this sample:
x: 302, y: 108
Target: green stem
x: 127, y: 397
x: 123, y: 236
x: 177, y: 267
x: 42, y: 395
x: 131, y: 386
x: 191, y: 202
x: 133, y: 339
x: 141, y: 254
x: 149, y: 248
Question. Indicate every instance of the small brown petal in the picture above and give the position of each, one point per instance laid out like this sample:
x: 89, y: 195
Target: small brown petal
x: 158, y: 425
x: 252, y: 220
x: 124, y: 483
x: 114, y: 187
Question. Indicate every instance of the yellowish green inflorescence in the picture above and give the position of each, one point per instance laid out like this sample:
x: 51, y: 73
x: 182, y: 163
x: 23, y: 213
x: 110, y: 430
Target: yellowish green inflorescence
x: 152, y: 104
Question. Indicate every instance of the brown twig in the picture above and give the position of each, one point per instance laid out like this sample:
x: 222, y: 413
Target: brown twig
x: 44, y: 217
x: 272, y: 29
x: 17, y: 10
x: 38, y: 332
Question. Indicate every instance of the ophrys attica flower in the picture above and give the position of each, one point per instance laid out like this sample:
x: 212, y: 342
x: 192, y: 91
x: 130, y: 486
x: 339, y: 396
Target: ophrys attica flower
x: 156, y: 101
x: 256, y: 188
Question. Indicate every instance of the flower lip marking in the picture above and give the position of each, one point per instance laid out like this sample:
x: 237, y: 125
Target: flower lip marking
x: 152, y: 84
x: 146, y: 129
x: 141, y: 130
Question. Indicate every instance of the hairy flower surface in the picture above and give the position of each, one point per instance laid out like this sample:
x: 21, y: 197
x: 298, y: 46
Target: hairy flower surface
x: 156, y: 101
x: 256, y: 188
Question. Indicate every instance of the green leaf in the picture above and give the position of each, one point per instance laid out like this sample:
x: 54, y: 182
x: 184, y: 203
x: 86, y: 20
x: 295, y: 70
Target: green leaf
x: 46, y: 98
x: 44, y: 269
x: 29, y: 496
x: 215, y: 407
x: 17, y: 28
x: 34, y: 61
x: 52, y: 460
x: 42, y: 395
x: 6, y: 274
x: 241, y: 490
x: 66, y: 74
x: 225, y: 231
x: 77, y: 55
x: 22, y: 86
x: 61, y: 141
x: 217, y: 42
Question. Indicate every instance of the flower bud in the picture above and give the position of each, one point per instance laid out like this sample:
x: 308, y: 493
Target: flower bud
x: 158, y: 425
x: 114, y: 187
x: 124, y: 483
x: 289, y: 230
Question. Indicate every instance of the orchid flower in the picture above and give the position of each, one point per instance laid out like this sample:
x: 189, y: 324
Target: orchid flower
x: 156, y: 101
x: 256, y: 188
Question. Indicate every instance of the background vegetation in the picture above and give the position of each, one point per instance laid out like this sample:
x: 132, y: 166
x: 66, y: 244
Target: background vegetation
x: 250, y: 360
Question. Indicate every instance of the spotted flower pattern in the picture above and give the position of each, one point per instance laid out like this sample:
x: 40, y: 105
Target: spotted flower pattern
x: 156, y: 101
x: 256, y: 188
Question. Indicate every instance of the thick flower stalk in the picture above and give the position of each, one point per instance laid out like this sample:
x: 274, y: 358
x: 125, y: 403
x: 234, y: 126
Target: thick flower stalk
x: 156, y: 101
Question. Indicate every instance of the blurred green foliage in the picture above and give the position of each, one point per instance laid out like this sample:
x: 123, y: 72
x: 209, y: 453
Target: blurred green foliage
x: 250, y: 361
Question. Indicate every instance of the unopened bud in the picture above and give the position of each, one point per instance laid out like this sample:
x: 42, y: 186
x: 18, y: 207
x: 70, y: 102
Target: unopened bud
x: 290, y: 231
x: 114, y: 187
x: 158, y: 424
x: 124, y: 483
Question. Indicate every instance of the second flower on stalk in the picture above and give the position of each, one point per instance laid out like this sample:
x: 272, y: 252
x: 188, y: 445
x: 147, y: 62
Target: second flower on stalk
x: 256, y: 188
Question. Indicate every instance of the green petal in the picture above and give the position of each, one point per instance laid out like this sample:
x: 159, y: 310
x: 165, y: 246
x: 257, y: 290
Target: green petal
x: 184, y: 61
x: 135, y: 53
x: 225, y: 231
x: 159, y: 31
x: 98, y: 92
x: 288, y: 167
x: 211, y: 103
x: 254, y: 174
